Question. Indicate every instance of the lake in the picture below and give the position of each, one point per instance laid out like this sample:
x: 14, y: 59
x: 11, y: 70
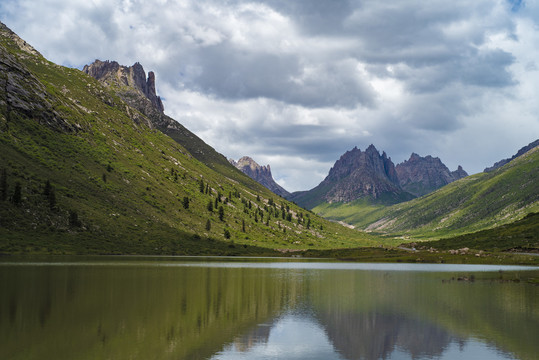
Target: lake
x: 239, y: 308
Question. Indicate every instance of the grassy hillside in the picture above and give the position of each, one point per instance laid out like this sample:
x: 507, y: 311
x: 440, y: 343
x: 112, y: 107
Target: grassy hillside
x: 521, y: 236
x: 477, y: 202
x: 81, y: 172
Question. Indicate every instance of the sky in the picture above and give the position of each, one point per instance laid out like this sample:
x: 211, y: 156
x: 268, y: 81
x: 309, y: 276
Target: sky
x: 295, y: 84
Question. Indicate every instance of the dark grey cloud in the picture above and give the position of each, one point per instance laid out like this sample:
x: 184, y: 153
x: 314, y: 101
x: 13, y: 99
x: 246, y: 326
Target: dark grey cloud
x: 316, y: 17
x: 234, y: 74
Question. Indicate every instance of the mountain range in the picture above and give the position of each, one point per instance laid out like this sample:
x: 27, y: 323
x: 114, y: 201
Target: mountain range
x: 373, y: 176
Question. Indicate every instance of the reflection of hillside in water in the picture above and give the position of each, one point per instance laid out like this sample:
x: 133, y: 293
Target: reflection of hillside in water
x: 376, y: 335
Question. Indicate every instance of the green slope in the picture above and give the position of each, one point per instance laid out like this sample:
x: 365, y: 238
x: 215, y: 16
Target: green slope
x: 120, y: 186
x: 477, y: 202
x: 521, y: 236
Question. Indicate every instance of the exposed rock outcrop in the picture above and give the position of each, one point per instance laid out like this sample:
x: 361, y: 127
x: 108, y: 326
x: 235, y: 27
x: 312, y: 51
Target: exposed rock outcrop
x: 262, y: 174
x: 22, y: 93
x: 422, y: 175
x: 133, y: 77
x: 522, y: 151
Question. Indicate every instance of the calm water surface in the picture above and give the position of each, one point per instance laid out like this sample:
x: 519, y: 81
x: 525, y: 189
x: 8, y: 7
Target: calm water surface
x: 185, y: 308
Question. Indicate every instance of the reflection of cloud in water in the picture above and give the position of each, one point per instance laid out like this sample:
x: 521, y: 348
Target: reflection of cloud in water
x: 290, y: 337
x: 351, y: 336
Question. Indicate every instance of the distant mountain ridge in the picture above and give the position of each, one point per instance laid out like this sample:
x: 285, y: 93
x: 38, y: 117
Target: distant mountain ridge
x: 262, y: 174
x: 369, y: 175
x: 522, y: 151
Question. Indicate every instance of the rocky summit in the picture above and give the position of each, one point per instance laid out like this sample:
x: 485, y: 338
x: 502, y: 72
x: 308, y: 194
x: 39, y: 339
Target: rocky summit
x: 262, y: 174
x: 422, y: 175
x: 357, y: 175
x: 132, y: 77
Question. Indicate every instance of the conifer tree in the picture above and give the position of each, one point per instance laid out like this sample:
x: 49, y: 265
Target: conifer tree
x: 221, y: 212
x: 3, y: 185
x: 185, y: 202
x: 17, y: 194
x: 74, y: 219
x: 47, y: 188
x: 210, y: 205
x: 52, y: 198
x: 243, y: 225
x: 208, y: 225
x: 201, y: 186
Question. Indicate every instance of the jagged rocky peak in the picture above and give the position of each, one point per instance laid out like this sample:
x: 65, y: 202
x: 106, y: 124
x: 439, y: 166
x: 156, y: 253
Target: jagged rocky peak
x: 112, y: 73
x: 421, y: 175
x: 370, y: 160
x: 247, y: 162
x: 359, y: 174
x: 369, y: 174
x: 261, y: 174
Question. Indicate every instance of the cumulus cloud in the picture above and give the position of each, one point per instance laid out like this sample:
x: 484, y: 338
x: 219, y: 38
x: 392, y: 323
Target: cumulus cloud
x: 297, y: 83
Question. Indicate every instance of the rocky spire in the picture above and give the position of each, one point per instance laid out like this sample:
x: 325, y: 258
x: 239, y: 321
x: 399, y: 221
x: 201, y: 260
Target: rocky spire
x: 112, y: 73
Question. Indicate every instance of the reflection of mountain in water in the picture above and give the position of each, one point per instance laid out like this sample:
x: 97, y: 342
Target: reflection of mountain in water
x: 258, y: 334
x: 376, y: 335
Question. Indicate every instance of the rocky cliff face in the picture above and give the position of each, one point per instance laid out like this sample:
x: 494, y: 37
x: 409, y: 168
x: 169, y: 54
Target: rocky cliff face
x: 522, y: 151
x: 133, y: 77
x: 357, y: 175
x: 422, y: 175
x: 262, y: 174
